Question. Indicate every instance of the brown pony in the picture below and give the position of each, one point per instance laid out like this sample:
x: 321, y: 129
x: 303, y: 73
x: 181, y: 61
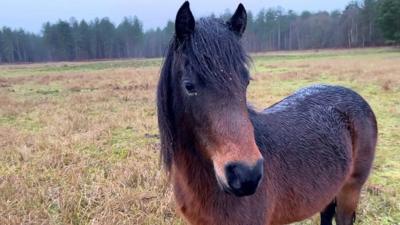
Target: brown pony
x: 229, y: 164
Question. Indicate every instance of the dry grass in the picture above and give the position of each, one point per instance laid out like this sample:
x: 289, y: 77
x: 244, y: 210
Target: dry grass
x: 79, y: 141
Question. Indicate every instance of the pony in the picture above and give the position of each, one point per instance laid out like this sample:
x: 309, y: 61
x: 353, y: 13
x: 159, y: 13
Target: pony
x: 231, y: 164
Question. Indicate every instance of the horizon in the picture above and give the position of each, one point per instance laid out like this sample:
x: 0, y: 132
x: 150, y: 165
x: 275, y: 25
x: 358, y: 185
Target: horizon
x: 33, y: 18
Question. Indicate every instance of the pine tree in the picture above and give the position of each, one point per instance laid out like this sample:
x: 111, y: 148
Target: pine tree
x: 389, y: 19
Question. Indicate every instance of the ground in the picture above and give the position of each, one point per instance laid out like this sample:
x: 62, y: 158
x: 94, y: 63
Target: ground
x: 79, y: 142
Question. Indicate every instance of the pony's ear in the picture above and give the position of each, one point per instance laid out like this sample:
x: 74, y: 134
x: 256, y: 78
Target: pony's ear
x: 184, y: 22
x: 238, y: 21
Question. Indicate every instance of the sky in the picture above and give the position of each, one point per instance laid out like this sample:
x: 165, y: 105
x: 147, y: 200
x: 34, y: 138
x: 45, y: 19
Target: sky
x: 32, y: 14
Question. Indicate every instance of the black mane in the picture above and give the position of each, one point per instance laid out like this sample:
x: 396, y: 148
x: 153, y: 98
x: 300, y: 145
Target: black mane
x: 218, y: 59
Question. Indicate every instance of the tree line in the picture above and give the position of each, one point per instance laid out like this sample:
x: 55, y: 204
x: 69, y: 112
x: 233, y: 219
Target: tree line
x: 360, y: 24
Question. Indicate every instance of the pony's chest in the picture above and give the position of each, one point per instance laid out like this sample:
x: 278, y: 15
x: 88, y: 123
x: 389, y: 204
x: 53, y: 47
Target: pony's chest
x: 198, y: 206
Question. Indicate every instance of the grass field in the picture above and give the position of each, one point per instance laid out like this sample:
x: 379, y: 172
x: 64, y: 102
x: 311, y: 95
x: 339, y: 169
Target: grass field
x: 79, y: 141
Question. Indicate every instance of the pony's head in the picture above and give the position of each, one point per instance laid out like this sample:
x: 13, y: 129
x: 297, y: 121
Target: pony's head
x: 202, y: 105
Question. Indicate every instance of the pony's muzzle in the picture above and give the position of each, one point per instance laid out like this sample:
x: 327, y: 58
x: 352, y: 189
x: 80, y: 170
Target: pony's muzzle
x: 243, y: 179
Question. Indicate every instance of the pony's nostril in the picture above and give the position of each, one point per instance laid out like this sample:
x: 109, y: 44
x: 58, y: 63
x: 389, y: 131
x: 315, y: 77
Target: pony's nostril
x: 233, y: 174
x: 243, y: 179
x: 235, y: 184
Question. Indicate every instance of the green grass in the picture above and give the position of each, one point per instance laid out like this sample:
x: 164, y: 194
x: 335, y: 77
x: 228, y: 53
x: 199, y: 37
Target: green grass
x: 66, y: 67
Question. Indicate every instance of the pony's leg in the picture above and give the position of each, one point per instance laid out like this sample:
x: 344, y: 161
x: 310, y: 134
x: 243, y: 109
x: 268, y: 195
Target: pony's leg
x: 364, y: 143
x: 328, y: 213
x: 347, y: 201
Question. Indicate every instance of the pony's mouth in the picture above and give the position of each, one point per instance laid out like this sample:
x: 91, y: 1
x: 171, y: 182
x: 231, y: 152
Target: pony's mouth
x: 228, y: 190
x: 224, y: 187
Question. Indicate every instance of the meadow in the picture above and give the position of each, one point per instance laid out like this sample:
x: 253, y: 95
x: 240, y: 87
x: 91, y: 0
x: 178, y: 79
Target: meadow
x: 79, y: 141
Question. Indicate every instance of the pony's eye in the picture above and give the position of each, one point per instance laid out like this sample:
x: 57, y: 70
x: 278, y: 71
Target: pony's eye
x: 190, y: 88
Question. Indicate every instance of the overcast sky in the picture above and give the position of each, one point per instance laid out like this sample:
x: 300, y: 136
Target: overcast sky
x: 31, y: 14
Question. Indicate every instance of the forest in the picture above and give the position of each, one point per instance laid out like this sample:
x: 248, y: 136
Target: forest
x: 364, y: 23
